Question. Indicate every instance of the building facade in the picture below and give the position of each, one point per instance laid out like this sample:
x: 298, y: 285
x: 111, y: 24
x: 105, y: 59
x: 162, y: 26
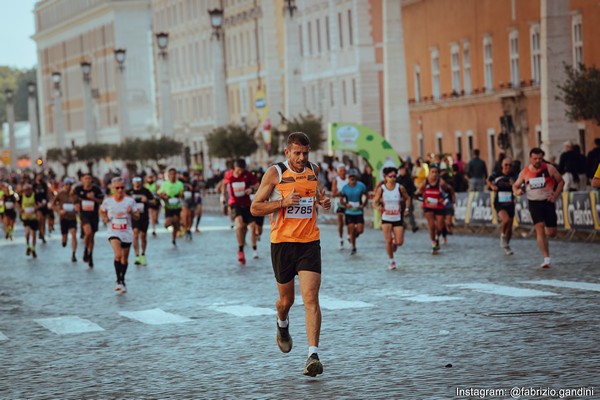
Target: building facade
x: 114, y: 103
x: 493, y: 60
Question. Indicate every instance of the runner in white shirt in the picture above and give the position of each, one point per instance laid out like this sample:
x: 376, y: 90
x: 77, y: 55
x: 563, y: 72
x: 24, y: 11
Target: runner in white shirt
x: 117, y: 212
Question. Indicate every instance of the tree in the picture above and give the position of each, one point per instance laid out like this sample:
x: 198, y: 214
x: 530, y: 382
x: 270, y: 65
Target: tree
x: 160, y: 149
x: 231, y: 142
x: 17, y: 81
x: 92, y: 153
x: 309, y: 124
x: 581, y: 93
x: 63, y: 156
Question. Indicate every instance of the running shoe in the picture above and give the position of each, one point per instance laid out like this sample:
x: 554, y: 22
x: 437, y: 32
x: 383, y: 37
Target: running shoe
x: 73, y: 258
x: 342, y: 244
x: 154, y: 233
x: 503, y: 242
x: 353, y: 251
x: 137, y: 260
x: 123, y: 288
x: 392, y: 265
x: 434, y: 248
x: 86, y: 255
x: 43, y: 239
x: 507, y: 250
x: 118, y: 287
x: 545, y: 264
x: 64, y: 243
x: 174, y: 243
x: 143, y: 261
x: 284, y: 339
x: 255, y: 254
x: 241, y: 257
x: 90, y: 261
x: 313, y: 366
x: 33, y: 253
x: 28, y: 251
x: 6, y: 236
x: 197, y: 230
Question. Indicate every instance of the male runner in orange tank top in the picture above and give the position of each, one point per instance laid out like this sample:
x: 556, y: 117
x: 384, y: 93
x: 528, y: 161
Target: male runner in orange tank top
x: 291, y: 191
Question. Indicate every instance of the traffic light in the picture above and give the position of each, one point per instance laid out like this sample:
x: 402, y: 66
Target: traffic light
x: 39, y: 161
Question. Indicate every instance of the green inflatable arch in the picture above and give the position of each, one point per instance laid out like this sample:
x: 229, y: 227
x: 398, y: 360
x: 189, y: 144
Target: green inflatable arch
x: 371, y: 145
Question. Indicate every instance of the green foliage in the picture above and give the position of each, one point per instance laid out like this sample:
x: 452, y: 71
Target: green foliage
x: 17, y: 81
x: 157, y: 149
x: 581, y: 93
x: 93, y: 152
x: 231, y: 142
x: 312, y: 126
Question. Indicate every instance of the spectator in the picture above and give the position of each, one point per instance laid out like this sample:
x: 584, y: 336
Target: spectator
x: 420, y: 172
x: 580, y: 174
x: 498, y: 165
x: 460, y: 163
x: 367, y: 178
x: 477, y: 172
x: 459, y: 183
x: 593, y: 159
x: 567, y: 166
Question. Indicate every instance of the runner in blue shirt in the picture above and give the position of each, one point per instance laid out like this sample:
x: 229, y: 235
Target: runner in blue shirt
x: 354, y: 198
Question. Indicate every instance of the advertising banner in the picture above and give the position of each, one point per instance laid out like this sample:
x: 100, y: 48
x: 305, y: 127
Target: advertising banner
x: 479, y: 211
x: 580, y: 214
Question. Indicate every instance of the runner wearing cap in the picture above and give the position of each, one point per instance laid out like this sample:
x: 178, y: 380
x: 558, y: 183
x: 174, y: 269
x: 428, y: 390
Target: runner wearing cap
x: 64, y: 203
x: 354, y: 199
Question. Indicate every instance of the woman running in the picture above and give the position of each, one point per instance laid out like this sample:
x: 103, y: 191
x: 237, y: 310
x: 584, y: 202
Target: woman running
x: 393, y: 202
x: 434, y: 204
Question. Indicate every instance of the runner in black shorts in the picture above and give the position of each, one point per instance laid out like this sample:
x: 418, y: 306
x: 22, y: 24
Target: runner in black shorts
x: 88, y: 197
x: 504, y: 201
x: 144, y: 198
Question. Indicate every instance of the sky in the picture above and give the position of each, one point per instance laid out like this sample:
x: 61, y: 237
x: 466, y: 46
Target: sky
x: 17, y: 49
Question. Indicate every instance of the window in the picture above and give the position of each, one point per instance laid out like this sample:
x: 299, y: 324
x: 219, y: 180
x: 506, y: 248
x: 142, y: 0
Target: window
x: 440, y: 147
x: 310, y: 46
x: 467, y: 67
x: 581, y: 132
x: 577, y: 41
x: 350, y: 39
x: 353, y: 91
x: 344, y: 92
x: 470, y: 143
x: 319, y: 36
x: 300, y: 39
x: 514, y: 58
x: 536, y: 54
x: 435, y: 73
x: 455, y: 60
x: 488, y: 64
x: 327, y: 33
x: 421, y: 145
x: 340, y: 28
x: 417, y: 83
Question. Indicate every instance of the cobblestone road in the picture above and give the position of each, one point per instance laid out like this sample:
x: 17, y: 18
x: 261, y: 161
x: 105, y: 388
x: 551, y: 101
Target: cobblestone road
x: 194, y: 324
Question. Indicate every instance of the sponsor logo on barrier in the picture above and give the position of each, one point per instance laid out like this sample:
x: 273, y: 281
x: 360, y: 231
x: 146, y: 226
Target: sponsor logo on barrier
x: 580, y: 211
x: 460, y: 208
x: 481, y: 209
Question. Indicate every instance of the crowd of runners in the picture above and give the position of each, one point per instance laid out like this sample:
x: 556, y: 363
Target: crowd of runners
x: 288, y: 194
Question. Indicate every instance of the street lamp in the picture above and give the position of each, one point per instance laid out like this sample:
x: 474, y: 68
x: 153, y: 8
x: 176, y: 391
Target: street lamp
x: 162, y: 41
x: 33, y: 122
x: 216, y: 21
x: 10, y: 117
x: 290, y: 6
x: 120, y: 56
x: 58, y: 115
x: 86, y: 68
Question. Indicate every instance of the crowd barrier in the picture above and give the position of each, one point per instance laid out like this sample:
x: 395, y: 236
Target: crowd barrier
x: 574, y: 210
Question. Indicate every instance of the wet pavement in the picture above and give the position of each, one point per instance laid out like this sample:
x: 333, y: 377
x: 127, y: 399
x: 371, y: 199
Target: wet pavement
x: 195, y: 324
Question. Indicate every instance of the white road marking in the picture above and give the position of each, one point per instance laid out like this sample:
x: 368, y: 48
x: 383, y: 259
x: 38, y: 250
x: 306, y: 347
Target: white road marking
x: 69, y: 324
x: 393, y: 293
x: 3, y: 337
x: 491, y: 288
x: 155, y: 316
x: 242, y: 310
x: 427, y: 298
x: 567, y: 284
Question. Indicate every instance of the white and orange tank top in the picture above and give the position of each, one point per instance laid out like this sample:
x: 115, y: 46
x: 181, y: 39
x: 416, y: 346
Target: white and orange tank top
x: 540, y: 184
x: 295, y: 223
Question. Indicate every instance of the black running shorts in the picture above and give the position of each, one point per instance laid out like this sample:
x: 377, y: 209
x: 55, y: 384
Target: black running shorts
x: 141, y: 224
x: 66, y: 224
x: 543, y: 211
x: 241, y: 211
x: 355, y: 219
x: 288, y: 258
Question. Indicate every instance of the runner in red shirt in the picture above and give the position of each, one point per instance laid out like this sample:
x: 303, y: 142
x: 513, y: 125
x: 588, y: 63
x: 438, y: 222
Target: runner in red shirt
x: 241, y: 184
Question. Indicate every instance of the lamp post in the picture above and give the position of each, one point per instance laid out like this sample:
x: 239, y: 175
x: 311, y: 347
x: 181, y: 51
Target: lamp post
x: 162, y: 41
x: 10, y: 117
x: 220, y: 89
x: 33, y: 122
x: 59, y: 129
x: 293, y: 84
x: 90, y: 128
x: 120, y: 56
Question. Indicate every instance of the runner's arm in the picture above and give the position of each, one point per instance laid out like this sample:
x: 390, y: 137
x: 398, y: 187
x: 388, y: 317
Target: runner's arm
x: 260, y: 205
x: 560, y: 183
x: 517, y: 189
